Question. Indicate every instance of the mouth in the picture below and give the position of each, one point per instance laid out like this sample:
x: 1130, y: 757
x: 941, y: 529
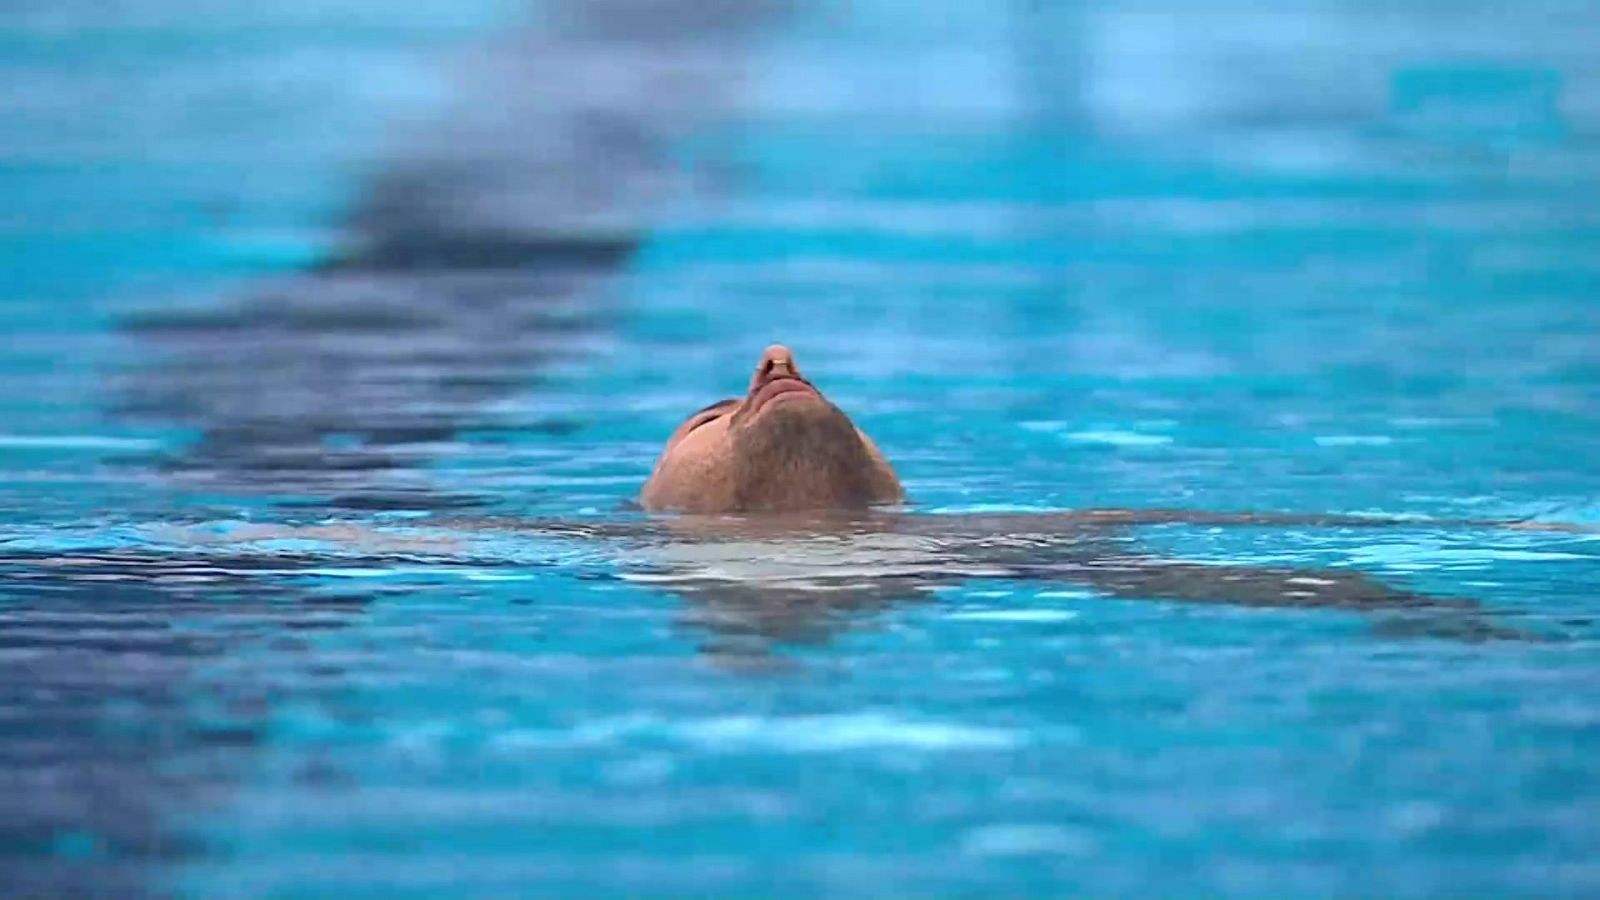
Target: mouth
x: 778, y: 390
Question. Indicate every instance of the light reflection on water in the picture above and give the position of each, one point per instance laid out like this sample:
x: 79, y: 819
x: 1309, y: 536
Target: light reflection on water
x: 281, y: 373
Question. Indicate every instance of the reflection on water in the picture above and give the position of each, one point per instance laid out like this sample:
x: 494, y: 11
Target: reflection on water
x: 115, y: 711
x: 336, y: 389
x: 474, y: 260
x: 293, y: 366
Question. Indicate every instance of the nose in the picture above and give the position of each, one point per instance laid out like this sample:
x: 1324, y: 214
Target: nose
x: 776, y: 362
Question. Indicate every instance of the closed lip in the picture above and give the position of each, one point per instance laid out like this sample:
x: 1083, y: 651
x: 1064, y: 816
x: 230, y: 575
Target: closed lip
x: 779, y: 387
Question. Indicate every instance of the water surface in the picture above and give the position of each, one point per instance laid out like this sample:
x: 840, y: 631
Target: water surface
x: 382, y: 273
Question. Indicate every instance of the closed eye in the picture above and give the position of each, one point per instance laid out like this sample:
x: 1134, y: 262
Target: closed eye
x: 703, y: 420
x: 710, y: 414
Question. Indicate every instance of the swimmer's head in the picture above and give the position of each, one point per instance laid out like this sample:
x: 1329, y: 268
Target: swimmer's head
x: 782, y: 447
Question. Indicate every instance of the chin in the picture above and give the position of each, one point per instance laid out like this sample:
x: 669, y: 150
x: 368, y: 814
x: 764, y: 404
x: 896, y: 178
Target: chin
x: 795, y: 410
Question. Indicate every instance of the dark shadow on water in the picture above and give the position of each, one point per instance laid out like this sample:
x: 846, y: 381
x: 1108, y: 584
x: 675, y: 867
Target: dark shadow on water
x: 334, y: 389
x: 475, y: 258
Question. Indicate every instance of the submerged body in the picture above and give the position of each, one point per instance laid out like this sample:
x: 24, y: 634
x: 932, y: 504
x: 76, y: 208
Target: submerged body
x: 778, y: 537
x: 780, y: 486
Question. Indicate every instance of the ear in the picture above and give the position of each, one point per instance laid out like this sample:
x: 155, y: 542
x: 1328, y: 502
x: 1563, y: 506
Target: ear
x: 888, y: 487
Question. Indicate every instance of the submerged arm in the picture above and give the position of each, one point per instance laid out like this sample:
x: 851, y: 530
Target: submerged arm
x: 1088, y: 548
x: 1317, y: 520
x: 1261, y: 586
x: 1079, y: 520
x: 1137, y: 577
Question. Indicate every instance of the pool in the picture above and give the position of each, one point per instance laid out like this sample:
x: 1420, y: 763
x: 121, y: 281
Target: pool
x: 307, y: 308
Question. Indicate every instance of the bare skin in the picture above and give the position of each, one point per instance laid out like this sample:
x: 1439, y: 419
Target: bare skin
x: 781, y: 448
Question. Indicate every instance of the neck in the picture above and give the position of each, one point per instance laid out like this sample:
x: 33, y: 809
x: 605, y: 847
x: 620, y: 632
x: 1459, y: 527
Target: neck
x: 798, y: 459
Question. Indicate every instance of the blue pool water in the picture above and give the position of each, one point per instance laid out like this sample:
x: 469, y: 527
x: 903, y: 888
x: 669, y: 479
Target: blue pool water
x: 307, y: 308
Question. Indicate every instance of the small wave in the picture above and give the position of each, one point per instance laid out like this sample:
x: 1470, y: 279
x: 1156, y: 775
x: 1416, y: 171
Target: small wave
x: 75, y: 442
x: 1115, y: 438
x: 1014, y: 615
x: 1022, y: 839
x: 1353, y: 440
x: 794, y: 734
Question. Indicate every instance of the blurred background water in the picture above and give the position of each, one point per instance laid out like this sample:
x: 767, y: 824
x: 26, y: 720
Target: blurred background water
x: 396, y: 265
